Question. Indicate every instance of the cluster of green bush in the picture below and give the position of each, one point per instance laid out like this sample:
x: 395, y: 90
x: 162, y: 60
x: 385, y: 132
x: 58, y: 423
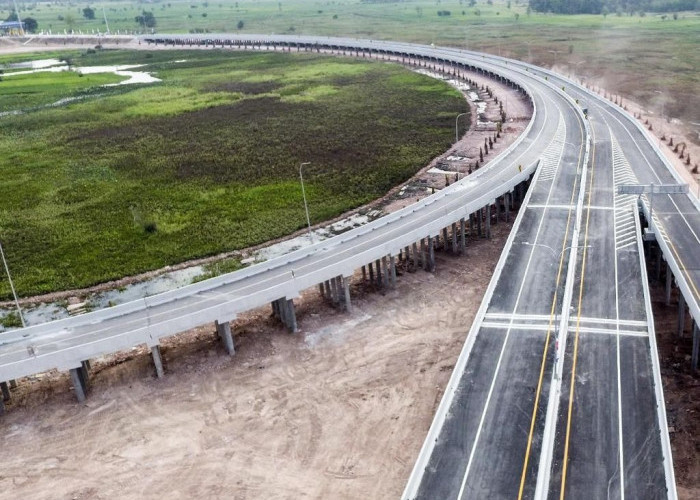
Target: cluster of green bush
x: 136, y: 178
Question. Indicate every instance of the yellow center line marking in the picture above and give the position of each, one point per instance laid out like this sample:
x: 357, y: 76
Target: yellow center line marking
x: 549, y: 333
x: 578, y: 322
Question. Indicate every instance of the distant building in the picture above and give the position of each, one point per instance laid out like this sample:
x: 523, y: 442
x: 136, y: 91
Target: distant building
x: 12, y: 28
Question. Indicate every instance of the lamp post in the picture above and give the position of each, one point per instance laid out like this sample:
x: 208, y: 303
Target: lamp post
x: 303, y: 193
x: 12, y: 286
x: 456, y: 120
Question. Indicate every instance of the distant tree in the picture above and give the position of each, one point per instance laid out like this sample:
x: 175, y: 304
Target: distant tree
x: 30, y: 24
x: 146, y: 19
x: 517, y: 16
x: 88, y: 13
x: 240, y: 25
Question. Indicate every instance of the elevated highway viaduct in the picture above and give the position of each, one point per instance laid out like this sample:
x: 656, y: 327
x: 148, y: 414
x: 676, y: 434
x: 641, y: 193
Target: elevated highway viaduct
x: 557, y: 391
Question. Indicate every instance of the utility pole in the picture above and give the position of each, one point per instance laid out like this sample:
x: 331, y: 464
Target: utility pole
x: 306, y: 206
x: 19, y: 20
x: 12, y: 286
x: 104, y: 14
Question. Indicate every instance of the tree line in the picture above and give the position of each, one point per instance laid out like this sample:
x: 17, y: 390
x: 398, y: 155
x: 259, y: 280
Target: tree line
x: 611, y: 6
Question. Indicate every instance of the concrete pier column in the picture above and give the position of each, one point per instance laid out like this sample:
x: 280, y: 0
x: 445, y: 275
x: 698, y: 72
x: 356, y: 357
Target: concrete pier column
x: 506, y: 202
x: 84, y: 372
x: 454, y: 237
x: 224, y: 332
x: 497, y: 210
x: 291, y: 317
x: 327, y: 287
x: 340, y: 285
x: 5, y: 391
x: 275, y: 308
x: 371, y: 273
x: 377, y: 265
x: 321, y: 290
x: 681, y: 313
x: 669, y: 283
x: 423, y: 255
x: 407, y: 255
x: 78, y: 384
x: 282, y: 310
x: 444, y: 239
x: 431, y: 254
x: 13, y: 384
x: 2, y: 407
x: 346, y: 290
x: 385, y: 270
x: 462, y: 236
x: 488, y: 221
x: 657, y: 267
x: 364, y: 273
x: 392, y: 271
x: 478, y: 223
x: 335, y: 293
x: 471, y: 225
x: 157, y: 361
x: 696, y: 348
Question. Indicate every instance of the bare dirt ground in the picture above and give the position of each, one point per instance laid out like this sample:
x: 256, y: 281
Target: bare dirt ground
x: 339, y: 410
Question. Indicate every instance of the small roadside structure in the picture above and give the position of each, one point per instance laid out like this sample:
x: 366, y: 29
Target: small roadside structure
x: 11, y: 28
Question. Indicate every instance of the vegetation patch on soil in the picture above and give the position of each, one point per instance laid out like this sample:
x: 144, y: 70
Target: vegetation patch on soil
x: 207, y: 161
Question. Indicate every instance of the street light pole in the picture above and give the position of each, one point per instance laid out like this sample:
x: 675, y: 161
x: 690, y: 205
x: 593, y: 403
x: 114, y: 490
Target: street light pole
x: 12, y: 286
x: 303, y: 193
x: 456, y: 120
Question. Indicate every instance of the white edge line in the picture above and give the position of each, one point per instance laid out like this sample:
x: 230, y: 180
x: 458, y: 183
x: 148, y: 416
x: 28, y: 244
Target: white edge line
x: 426, y: 451
x: 672, y: 494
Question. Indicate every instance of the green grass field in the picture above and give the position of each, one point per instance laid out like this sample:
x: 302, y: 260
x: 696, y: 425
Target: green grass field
x: 134, y: 178
x: 631, y: 55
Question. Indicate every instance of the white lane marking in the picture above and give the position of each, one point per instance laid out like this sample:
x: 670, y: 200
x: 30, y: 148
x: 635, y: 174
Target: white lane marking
x: 613, y: 321
x: 523, y: 317
x: 617, y: 332
x: 562, y: 125
x: 514, y: 326
x: 620, y: 166
x: 544, y: 328
x: 569, y: 207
